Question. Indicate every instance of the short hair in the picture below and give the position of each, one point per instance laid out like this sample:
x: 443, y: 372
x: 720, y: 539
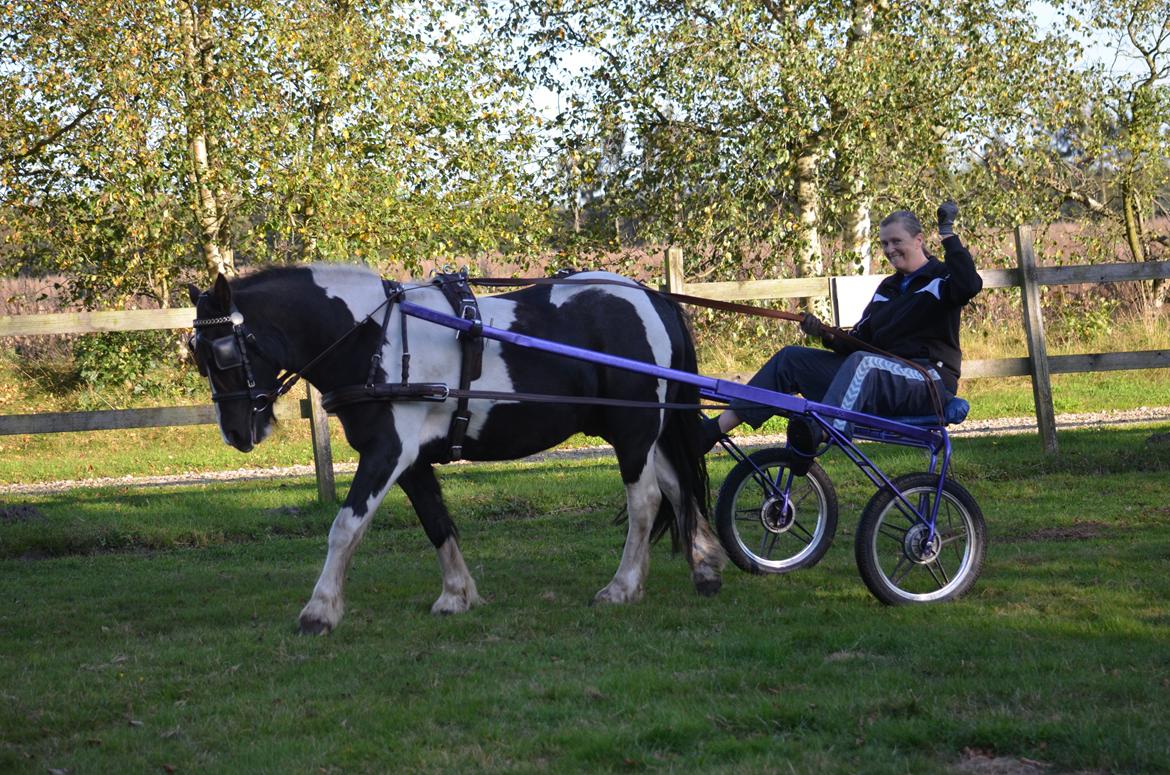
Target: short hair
x: 906, y: 218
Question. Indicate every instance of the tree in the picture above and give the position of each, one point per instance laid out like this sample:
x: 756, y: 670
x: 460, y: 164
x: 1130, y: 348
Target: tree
x: 141, y: 140
x: 757, y: 127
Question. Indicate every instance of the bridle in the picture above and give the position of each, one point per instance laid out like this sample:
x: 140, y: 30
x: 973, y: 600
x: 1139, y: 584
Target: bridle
x: 229, y: 353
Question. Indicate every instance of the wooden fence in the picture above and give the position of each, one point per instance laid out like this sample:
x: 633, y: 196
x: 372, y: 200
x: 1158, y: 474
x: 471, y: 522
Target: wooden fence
x: 1038, y: 364
x: 157, y: 417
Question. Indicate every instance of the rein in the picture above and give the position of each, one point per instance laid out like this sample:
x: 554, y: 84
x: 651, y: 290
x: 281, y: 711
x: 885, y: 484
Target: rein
x: 728, y: 306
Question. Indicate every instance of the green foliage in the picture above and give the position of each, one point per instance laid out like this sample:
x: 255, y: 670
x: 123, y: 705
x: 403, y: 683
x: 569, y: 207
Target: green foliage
x: 141, y: 140
x: 135, y: 363
x: 747, y: 129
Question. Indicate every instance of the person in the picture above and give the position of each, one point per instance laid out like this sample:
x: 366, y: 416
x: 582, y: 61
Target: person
x: 914, y: 314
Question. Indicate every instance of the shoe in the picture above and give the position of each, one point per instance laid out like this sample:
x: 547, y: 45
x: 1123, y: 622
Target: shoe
x: 709, y: 434
x: 804, y: 435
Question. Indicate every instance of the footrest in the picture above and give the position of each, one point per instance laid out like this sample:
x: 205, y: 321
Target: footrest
x: 953, y: 413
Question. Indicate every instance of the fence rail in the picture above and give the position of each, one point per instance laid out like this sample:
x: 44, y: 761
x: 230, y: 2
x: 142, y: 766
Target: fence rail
x: 1038, y: 364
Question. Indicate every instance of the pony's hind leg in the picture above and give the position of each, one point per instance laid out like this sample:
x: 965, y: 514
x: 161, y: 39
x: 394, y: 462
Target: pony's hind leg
x: 707, y: 557
x: 643, y: 498
x: 422, y: 488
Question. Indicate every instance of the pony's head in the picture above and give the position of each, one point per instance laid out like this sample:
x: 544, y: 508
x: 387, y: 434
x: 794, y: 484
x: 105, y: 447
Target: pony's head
x: 243, y: 380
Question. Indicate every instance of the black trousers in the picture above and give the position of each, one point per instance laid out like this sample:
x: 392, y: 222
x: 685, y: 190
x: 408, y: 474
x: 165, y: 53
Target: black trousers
x: 860, y: 382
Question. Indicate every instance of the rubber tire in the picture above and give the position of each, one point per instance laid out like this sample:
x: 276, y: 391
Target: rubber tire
x: 742, y: 475
x: 866, y: 550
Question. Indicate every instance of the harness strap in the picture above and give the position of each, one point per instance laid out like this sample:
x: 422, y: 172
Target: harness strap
x: 425, y: 391
x: 457, y: 290
x: 393, y: 293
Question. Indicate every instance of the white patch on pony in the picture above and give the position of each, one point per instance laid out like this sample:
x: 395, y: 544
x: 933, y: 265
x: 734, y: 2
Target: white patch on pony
x: 459, y: 593
x: 362, y: 292
x: 642, y: 500
x: 656, y: 333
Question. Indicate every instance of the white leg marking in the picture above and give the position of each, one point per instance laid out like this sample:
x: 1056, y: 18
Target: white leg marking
x: 459, y: 593
x: 642, y: 499
x: 707, y: 556
x: 324, y: 610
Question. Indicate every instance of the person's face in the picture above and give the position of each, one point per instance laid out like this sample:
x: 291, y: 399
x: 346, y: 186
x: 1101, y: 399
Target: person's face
x: 902, y: 249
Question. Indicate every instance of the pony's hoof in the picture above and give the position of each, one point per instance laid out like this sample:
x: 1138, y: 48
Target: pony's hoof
x: 708, y: 587
x: 448, y: 605
x: 615, y: 596
x: 307, y: 626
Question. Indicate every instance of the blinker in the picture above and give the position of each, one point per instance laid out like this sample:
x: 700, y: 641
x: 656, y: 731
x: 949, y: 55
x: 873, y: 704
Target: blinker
x: 226, y: 352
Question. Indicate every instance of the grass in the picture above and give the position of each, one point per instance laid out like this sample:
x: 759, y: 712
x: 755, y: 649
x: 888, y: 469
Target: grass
x: 170, y: 645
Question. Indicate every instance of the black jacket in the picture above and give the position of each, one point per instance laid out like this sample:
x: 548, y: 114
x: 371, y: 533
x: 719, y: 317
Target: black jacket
x: 922, y: 323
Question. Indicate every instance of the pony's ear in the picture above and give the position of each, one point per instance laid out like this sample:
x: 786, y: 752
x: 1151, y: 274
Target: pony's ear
x: 194, y: 293
x: 223, y: 292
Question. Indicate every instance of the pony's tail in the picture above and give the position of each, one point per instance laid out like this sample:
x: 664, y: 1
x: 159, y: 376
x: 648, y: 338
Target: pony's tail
x: 681, y: 442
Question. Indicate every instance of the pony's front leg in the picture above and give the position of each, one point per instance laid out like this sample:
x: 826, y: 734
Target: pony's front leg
x: 375, y: 475
x: 422, y: 488
x: 643, y: 498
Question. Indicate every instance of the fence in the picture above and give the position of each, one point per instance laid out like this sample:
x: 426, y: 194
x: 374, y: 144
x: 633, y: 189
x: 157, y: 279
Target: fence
x: 1038, y: 364
x: 158, y: 417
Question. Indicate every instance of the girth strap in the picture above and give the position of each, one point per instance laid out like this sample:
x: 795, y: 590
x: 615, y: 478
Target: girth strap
x: 457, y: 290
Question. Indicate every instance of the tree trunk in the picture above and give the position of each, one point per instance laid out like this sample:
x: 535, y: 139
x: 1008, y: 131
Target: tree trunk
x: 210, y: 208
x: 808, y: 258
x: 855, y: 238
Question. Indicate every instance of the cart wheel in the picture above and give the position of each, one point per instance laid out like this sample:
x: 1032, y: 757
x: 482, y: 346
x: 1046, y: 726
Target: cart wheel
x: 771, y: 521
x: 899, y: 564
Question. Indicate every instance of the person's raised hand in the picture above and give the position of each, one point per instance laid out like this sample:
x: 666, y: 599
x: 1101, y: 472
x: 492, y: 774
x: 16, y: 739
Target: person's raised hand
x: 948, y: 211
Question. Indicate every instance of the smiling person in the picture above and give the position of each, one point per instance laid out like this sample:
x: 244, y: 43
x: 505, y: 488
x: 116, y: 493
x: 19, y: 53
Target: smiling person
x: 914, y: 314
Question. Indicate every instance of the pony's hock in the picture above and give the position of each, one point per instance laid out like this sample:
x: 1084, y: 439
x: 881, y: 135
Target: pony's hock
x: 592, y: 353
x: 389, y: 382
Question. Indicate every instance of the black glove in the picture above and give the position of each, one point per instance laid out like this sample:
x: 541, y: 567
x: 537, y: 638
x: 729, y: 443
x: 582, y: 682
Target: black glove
x: 811, y: 325
x: 947, y: 212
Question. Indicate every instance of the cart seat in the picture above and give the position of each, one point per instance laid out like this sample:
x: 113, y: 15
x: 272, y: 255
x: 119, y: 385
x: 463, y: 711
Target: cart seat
x: 953, y: 413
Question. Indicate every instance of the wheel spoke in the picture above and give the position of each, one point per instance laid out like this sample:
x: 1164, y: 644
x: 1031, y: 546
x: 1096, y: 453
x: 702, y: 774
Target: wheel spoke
x: 804, y: 530
x: 934, y: 576
x: 766, y: 544
x: 897, y: 537
x: 895, y: 578
x: 950, y: 539
x: 938, y: 564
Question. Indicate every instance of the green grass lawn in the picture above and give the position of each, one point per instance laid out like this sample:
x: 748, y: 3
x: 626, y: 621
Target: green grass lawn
x: 151, y: 630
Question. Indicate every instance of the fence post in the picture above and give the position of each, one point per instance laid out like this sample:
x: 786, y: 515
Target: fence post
x: 322, y: 451
x: 674, y: 271
x: 1034, y: 331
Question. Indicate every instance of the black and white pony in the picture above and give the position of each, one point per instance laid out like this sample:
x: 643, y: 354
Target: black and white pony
x: 252, y: 329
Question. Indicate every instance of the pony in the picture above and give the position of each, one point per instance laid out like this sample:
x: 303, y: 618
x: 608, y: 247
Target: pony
x: 332, y: 325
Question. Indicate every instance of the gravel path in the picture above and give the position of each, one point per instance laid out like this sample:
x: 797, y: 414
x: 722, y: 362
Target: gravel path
x: 997, y: 427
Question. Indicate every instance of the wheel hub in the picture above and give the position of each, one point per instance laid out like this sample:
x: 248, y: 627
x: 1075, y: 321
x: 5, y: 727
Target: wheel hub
x: 918, y: 547
x: 777, y: 514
